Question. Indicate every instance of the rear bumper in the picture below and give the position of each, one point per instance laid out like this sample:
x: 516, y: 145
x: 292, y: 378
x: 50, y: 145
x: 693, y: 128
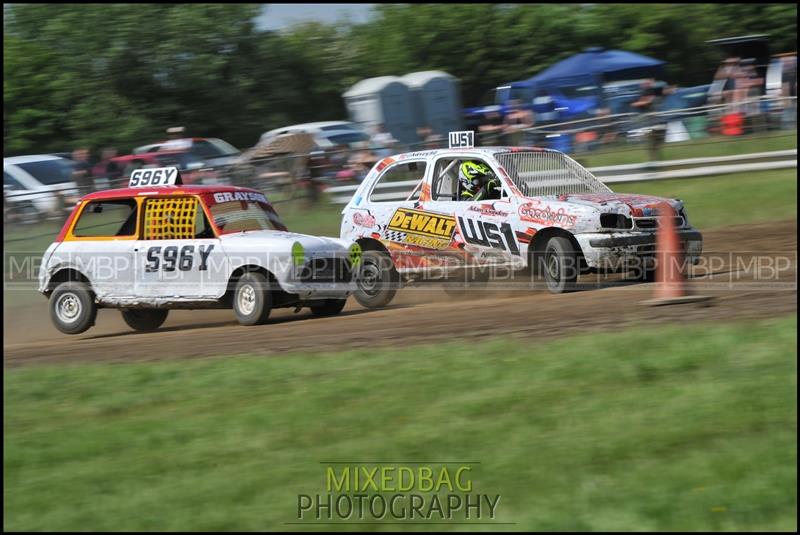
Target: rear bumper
x: 608, y: 250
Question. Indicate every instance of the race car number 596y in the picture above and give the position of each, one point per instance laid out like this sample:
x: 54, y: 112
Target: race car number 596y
x: 153, y: 177
x: 172, y: 259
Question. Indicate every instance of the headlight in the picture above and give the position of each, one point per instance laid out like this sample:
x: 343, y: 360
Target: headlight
x: 355, y: 254
x: 616, y: 221
x: 298, y: 254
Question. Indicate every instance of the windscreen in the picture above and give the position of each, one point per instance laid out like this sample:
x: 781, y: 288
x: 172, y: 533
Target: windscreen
x: 49, y: 172
x: 243, y: 215
x: 548, y: 173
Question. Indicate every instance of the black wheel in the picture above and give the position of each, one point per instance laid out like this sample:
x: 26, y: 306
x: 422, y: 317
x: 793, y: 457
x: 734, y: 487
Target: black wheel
x: 559, y: 265
x: 328, y: 307
x: 72, y: 307
x: 466, y: 283
x: 377, y: 280
x: 145, y: 319
x: 252, y: 299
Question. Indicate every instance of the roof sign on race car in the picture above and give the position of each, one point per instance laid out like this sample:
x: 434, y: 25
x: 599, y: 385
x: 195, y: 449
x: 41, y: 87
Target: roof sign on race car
x: 162, y: 176
x: 462, y: 140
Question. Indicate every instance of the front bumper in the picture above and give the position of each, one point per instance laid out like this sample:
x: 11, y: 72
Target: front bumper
x: 322, y: 278
x: 604, y: 250
x: 309, y: 291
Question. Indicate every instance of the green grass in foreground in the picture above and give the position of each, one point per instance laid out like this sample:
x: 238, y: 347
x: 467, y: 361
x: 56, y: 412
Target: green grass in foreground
x: 668, y: 429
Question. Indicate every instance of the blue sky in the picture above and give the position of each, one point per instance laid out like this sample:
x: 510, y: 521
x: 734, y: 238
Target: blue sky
x: 278, y: 16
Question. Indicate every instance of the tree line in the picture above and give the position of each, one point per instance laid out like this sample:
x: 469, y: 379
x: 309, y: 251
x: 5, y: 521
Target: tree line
x: 99, y: 75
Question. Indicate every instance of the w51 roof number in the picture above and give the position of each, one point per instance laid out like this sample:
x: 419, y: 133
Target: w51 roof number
x: 462, y: 140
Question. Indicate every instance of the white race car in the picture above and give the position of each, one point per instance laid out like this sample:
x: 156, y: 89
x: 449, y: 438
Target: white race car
x: 547, y: 213
x: 158, y: 245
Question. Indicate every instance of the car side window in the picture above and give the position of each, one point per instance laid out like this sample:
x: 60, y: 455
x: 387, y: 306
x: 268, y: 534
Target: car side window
x: 445, y: 180
x: 399, y: 180
x: 202, y: 228
x: 171, y: 218
x: 107, y: 218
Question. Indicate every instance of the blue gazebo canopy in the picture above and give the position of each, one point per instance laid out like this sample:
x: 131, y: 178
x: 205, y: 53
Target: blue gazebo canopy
x: 596, y: 64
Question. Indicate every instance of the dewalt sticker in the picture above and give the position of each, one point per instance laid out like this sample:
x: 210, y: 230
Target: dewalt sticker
x: 421, y: 229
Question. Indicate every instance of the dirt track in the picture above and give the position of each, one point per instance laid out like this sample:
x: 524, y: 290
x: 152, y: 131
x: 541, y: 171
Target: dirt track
x: 421, y: 315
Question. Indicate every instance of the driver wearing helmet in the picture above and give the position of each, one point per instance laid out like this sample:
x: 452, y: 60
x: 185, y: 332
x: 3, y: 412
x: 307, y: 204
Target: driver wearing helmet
x: 477, y: 182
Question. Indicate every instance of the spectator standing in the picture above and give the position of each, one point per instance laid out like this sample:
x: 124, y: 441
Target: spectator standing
x: 382, y: 141
x: 647, y: 105
x: 726, y: 76
x: 361, y: 161
x: 752, y: 85
x: 105, y: 169
x: 517, y: 121
x: 317, y: 169
x: 430, y: 139
x: 82, y: 170
x: 491, y: 130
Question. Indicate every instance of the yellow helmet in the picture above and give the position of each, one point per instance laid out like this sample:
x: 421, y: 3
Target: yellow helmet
x: 469, y: 171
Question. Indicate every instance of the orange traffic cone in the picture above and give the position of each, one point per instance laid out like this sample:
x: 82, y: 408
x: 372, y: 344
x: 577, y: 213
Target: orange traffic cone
x: 670, y: 278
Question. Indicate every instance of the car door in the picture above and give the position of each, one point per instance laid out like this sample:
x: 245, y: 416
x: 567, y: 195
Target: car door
x: 484, y: 226
x: 100, y: 245
x: 178, y: 257
x: 397, y: 223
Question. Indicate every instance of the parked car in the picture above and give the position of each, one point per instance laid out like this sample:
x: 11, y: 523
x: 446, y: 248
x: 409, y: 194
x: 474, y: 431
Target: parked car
x: 194, y: 170
x: 42, y: 183
x: 326, y: 134
x: 207, y: 152
x: 159, y: 244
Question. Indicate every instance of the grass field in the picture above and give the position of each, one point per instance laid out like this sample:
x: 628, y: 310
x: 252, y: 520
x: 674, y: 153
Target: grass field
x: 674, y: 429
x: 702, y: 148
x: 728, y: 199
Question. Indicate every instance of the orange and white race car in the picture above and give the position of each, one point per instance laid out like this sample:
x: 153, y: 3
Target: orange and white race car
x: 159, y: 244
x: 416, y: 216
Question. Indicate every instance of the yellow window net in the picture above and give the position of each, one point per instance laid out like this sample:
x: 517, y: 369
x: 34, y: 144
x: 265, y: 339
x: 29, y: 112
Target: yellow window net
x: 170, y: 218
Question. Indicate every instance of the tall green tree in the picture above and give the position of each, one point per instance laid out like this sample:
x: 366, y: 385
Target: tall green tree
x: 119, y: 74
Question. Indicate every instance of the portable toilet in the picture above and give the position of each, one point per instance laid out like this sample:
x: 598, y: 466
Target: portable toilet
x: 383, y: 100
x: 436, y: 99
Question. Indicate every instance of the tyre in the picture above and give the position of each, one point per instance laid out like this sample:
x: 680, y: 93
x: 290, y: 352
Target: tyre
x: 252, y: 299
x: 377, y: 280
x: 559, y: 265
x: 328, y: 307
x: 72, y: 307
x: 145, y: 319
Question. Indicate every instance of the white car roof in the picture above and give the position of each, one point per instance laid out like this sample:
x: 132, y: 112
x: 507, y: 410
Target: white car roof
x: 485, y: 151
x: 27, y: 159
